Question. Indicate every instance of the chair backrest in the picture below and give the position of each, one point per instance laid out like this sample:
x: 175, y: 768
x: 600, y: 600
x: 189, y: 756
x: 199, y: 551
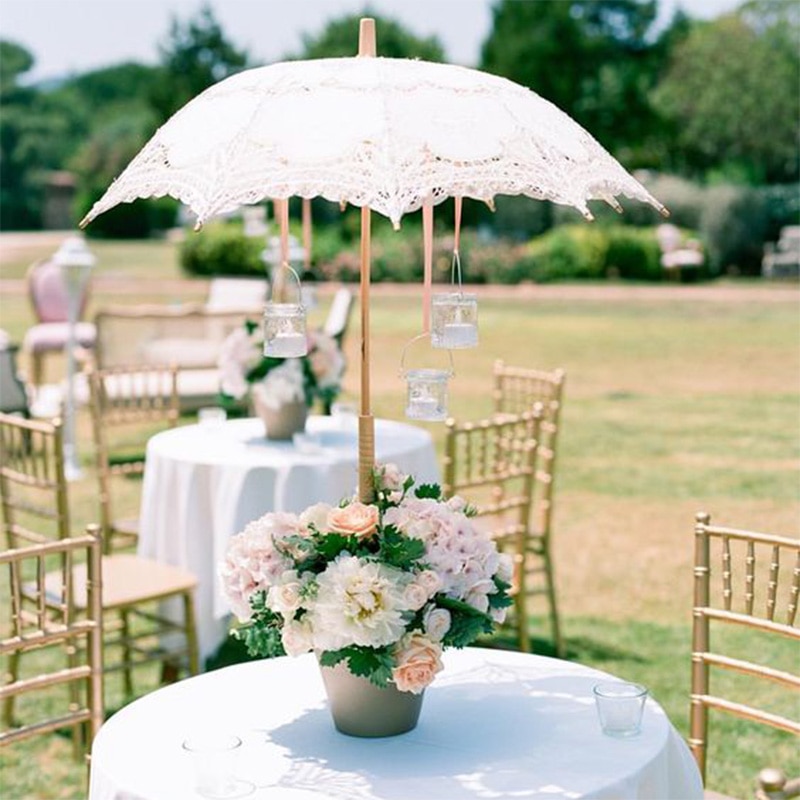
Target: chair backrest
x: 189, y: 335
x: 41, y: 613
x: 491, y: 463
x: 338, y: 319
x: 237, y: 294
x: 518, y: 389
x: 33, y: 490
x: 48, y: 294
x: 743, y: 580
x: 13, y: 396
x: 128, y: 405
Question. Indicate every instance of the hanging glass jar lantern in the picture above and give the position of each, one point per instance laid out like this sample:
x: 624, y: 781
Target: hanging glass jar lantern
x: 426, y: 389
x: 454, y: 315
x: 285, y: 326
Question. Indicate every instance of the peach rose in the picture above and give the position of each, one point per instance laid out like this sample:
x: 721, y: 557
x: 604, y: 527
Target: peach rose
x: 355, y: 519
x: 418, y: 661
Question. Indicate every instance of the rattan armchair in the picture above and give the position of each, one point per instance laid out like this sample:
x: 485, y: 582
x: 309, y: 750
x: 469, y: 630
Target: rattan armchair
x: 743, y: 580
x: 41, y: 615
x: 491, y: 463
x: 128, y: 404
x: 518, y: 389
x: 34, y: 499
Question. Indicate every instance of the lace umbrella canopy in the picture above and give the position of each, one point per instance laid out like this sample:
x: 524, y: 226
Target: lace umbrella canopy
x: 379, y: 133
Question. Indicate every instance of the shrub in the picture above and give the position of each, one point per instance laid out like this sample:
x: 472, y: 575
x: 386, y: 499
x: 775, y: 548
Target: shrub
x: 633, y: 253
x: 568, y: 252
x: 732, y: 226
x: 222, y: 249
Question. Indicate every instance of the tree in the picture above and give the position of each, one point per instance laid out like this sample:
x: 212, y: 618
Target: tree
x: 733, y: 92
x: 339, y: 38
x: 195, y: 56
x: 591, y: 58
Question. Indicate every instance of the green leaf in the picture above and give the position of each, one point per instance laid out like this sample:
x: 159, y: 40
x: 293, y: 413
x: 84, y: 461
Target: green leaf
x: 332, y: 544
x: 398, y: 550
x: 430, y: 491
x: 330, y: 658
x: 371, y: 663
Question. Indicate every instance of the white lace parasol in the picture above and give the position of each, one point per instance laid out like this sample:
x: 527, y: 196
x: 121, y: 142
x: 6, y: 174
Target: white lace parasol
x: 374, y: 132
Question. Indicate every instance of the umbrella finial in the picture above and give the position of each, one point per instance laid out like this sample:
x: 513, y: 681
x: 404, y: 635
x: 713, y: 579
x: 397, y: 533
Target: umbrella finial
x: 366, y: 37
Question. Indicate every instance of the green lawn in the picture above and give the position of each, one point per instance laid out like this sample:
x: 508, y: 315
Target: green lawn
x: 674, y: 403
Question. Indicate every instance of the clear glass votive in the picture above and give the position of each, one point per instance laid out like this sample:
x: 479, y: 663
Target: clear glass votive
x: 211, y: 418
x: 214, y: 761
x: 427, y: 394
x: 285, y: 330
x: 619, y: 707
x: 454, y: 321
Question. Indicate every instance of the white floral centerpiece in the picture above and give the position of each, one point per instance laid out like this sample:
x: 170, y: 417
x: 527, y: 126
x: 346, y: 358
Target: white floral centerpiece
x: 244, y: 369
x: 383, y: 587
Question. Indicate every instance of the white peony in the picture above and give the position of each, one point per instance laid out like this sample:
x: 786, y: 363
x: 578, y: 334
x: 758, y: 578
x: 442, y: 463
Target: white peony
x: 358, y: 602
x: 238, y: 354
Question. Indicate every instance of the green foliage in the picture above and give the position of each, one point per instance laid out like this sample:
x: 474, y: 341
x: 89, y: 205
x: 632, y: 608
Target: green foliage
x: 732, y: 225
x: 221, y: 248
x: 195, y: 55
x: 261, y: 635
x: 466, y: 622
x: 569, y: 252
x: 632, y: 254
x: 744, y: 110
x: 372, y: 663
x: 339, y: 38
x: 399, y: 551
x: 428, y: 490
x: 592, y: 58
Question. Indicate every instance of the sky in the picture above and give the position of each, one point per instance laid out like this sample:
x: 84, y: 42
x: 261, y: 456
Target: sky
x: 73, y: 36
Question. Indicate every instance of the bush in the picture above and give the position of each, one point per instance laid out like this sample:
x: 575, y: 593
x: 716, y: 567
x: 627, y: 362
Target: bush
x: 137, y: 220
x: 633, y: 254
x: 781, y: 208
x: 569, y: 252
x: 221, y: 248
x: 732, y: 226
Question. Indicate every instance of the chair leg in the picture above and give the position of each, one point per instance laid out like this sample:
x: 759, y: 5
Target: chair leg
x: 555, y: 624
x: 8, y: 703
x: 37, y: 368
x: 521, y: 605
x: 127, y: 672
x: 191, y: 632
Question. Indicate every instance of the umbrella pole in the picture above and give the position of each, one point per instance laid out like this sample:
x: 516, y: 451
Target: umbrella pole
x: 366, y: 422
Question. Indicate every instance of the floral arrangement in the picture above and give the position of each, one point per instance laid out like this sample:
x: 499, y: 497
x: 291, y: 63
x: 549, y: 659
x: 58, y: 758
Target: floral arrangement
x: 384, y: 586
x: 244, y: 368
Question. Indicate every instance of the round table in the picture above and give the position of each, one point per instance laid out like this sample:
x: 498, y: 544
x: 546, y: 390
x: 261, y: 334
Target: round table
x: 494, y: 724
x: 204, y: 483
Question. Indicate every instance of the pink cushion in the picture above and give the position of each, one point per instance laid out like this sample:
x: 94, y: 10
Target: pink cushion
x: 53, y: 336
x: 48, y: 292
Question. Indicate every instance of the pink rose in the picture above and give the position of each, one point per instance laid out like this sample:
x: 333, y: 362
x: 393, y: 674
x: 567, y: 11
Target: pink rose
x: 357, y: 519
x: 418, y: 661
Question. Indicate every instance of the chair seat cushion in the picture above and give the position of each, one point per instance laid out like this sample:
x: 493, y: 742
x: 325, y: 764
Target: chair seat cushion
x: 53, y: 336
x: 184, y: 353
x: 127, y: 580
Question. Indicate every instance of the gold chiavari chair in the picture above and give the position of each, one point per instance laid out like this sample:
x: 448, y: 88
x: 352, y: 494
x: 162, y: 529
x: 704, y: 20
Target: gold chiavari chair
x: 33, y: 494
x: 491, y: 463
x: 42, y: 618
x: 518, y: 389
x: 743, y: 580
x: 128, y: 404
x: 773, y: 784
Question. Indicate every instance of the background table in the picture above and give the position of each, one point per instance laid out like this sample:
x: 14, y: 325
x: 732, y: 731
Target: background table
x: 494, y: 724
x: 204, y: 483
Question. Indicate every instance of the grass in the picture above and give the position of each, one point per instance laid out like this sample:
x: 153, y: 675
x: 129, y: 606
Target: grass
x: 675, y: 403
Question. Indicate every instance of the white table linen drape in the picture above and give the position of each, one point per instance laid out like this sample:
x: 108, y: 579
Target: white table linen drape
x: 494, y: 724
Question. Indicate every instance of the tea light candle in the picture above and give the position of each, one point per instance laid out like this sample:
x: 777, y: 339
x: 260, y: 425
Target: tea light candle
x: 286, y: 345
x: 459, y: 335
x: 423, y: 408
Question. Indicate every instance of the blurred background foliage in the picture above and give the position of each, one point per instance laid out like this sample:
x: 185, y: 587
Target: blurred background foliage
x: 707, y: 113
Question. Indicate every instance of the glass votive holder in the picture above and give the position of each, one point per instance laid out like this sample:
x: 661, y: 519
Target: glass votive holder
x: 211, y: 418
x: 620, y: 706
x: 213, y: 762
x: 427, y: 394
x: 285, y: 330
x: 454, y: 321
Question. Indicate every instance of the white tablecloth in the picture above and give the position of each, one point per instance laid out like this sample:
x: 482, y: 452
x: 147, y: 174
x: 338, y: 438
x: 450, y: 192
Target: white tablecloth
x: 203, y: 484
x: 494, y: 724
